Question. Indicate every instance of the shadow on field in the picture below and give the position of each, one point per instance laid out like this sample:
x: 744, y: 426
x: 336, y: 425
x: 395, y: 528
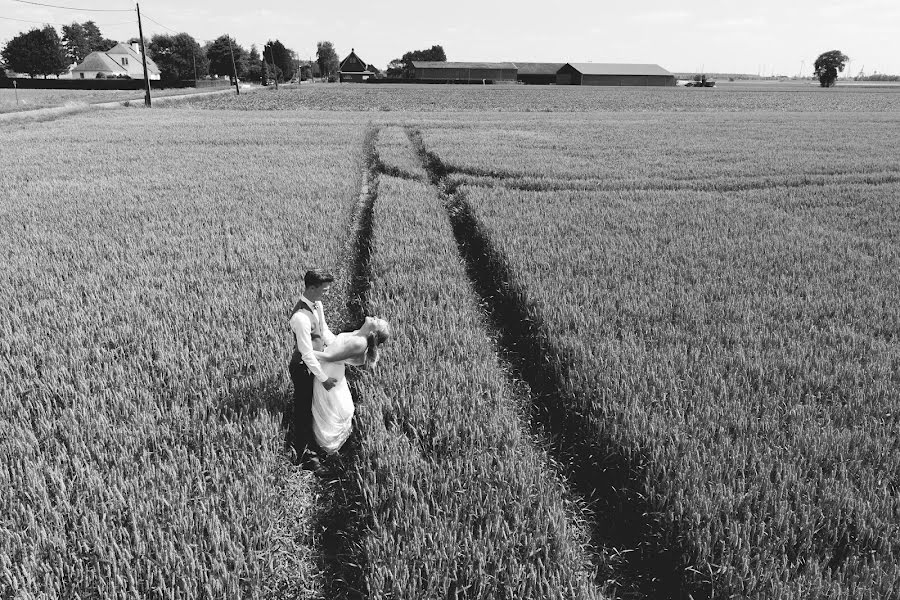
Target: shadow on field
x: 630, y: 541
x: 342, y: 520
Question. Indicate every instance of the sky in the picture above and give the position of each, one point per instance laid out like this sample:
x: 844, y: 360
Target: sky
x: 767, y: 37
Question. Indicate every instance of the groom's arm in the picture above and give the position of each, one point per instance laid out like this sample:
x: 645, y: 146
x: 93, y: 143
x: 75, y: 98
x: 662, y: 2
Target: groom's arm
x: 302, y: 329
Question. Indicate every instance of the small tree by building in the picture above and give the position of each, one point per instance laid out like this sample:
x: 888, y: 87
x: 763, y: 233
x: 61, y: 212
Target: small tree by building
x: 401, y: 68
x: 328, y: 60
x: 828, y: 65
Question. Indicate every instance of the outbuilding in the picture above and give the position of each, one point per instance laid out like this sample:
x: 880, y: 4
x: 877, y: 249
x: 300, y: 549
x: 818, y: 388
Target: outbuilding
x: 538, y: 73
x: 613, y: 74
x: 355, y: 69
x: 464, y: 72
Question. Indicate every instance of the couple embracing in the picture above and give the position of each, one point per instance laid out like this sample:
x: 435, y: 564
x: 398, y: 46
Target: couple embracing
x: 323, y: 407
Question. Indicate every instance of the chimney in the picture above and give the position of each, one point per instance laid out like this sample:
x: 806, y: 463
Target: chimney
x: 136, y: 46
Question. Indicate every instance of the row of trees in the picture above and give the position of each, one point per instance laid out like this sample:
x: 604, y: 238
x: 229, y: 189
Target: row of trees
x: 41, y: 51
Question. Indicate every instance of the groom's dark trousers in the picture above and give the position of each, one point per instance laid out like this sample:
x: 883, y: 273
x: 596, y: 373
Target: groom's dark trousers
x: 300, y: 432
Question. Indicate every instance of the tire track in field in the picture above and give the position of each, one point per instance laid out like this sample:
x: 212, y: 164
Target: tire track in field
x: 624, y: 529
x: 533, y: 183
x: 343, y: 520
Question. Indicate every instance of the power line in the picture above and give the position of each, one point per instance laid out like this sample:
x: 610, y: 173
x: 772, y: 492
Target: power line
x: 149, y: 18
x: 66, y: 24
x: 73, y: 8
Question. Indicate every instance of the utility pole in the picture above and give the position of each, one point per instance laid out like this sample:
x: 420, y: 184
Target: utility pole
x: 194, y: 58
x: 143, y: 58
x: 233, y: 67
x: 274, y: 71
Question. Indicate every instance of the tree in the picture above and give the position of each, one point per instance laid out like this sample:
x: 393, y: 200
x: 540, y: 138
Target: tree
x: 75, y: 42
x: 828, y: 65
x: 275, y: 52
x: 96, y: 41
x: 80, y: 39
x: 177, y: 55
x: 219, y: 57
x: 329, y: 64
x: 401, y: 68
x: 254, y: 65
x: 37, y: 52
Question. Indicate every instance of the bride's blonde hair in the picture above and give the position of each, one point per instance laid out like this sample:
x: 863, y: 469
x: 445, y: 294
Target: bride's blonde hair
x: 379, y: 335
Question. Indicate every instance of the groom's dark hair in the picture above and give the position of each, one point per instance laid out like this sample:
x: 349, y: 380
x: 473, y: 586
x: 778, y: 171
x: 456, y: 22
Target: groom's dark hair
x: 316, y: 277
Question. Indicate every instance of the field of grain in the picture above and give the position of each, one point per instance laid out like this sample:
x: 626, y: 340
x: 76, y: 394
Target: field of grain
x: 12, y: 100
x: 726, y: 326
x: 645, y: 345
x: 366, y: 97
x: 147, y: 272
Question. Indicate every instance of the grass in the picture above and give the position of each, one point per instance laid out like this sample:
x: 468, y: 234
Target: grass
x: 388, y: 98
x: 144, y: 351
x: 459, y: 501
x: 12, y: 100
x: 645, y: 344
x: 737, y: 348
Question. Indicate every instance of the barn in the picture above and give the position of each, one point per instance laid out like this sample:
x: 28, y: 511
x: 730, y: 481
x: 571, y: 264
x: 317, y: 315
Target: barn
x: 353, y: 68
x: 501, y: 72
x: 613, y: 74
x: 538, y: 73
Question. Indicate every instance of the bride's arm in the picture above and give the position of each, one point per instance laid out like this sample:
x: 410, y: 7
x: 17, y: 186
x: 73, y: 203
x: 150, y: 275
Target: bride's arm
x: 352, y: 347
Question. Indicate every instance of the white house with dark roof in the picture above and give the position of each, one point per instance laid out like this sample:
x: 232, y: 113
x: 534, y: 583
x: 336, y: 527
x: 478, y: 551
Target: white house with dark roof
x: 122, y: 60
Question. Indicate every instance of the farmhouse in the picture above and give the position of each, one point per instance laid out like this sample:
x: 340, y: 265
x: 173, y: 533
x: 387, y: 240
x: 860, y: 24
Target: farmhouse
x: 613, y: 74
x: 538, y: 73
x: 353, y: 68
x: 122, y: 60
x: 464, y: 71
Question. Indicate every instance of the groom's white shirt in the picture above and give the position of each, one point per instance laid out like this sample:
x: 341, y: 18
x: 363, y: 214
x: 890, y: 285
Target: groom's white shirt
x: 302, y: 328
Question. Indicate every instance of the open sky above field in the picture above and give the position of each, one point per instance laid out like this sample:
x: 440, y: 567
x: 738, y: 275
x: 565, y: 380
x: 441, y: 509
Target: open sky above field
x: 766, y: 37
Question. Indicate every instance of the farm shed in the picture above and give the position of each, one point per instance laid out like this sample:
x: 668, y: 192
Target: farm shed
x: 464, y: 71
x: 121, y: 60
x: 538, y: 73
x: 353, y: 68
x: 613, y: 74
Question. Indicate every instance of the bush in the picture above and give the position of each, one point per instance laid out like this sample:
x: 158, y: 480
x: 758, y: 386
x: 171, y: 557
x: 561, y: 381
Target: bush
x: 101, y: 76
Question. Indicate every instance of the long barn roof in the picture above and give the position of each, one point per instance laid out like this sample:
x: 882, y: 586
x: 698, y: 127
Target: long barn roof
x: 533, y: 68
x: 430, y: 64
x: 619, y: 69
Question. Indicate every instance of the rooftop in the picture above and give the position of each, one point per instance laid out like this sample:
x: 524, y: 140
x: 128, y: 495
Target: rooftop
x: 427, y: 64
x: 618, y: 69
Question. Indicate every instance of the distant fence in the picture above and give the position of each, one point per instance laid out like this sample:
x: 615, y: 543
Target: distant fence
x: 26, y: 83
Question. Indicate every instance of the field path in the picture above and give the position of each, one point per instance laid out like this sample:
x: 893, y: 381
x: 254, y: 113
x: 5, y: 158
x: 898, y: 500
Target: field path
x: 341, y: 520
x: 52, y: 113
x: 623, y: 527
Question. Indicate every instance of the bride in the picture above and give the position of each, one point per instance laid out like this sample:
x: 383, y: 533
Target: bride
x: 333, y: 409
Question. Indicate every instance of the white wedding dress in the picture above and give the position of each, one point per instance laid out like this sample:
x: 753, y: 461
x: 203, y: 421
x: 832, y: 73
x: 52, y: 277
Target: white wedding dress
x: 332, y: 409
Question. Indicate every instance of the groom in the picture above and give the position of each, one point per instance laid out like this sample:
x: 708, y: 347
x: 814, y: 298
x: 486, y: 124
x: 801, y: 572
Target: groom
x: 311, y: 333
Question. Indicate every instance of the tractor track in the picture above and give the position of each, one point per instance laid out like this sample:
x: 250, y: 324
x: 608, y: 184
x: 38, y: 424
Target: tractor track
x: 626, y: 535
